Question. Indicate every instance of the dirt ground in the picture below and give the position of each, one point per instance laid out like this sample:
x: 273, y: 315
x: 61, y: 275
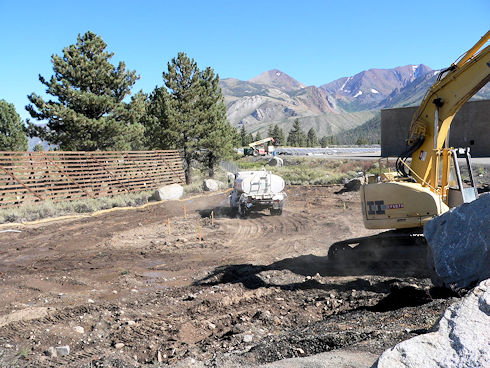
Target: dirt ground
x: 123, y: 290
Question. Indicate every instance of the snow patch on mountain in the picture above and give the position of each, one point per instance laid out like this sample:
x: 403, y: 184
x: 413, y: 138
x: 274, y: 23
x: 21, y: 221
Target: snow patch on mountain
x: 343, y: 85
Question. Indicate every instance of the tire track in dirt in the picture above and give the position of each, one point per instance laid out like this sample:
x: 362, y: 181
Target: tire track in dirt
x: 265, y: 225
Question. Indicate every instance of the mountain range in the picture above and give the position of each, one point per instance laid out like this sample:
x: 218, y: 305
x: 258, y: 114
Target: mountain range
x: 274, y: 97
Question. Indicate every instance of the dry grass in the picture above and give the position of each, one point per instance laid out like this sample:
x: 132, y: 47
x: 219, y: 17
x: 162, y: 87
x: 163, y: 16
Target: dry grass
x: 39, y: 210
x: 313, y: 171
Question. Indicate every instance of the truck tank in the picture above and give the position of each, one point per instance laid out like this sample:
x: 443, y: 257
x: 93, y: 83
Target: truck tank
x: 258, y: 182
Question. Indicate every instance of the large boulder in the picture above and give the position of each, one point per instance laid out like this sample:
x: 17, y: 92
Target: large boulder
x: 211, y: 185
x: 460, y: 244
x: 461, y: 338
x: 168, y: 192
x: 352, y: 185
x: 276, y: 161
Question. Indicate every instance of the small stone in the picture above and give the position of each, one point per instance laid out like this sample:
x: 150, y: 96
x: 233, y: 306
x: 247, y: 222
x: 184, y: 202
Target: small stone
x: 119, y: 345
x: 134, y: 290
x: 91, y: 301
x: 211, y: 326
x: 247, y: 338
x: 51, y: 352
x: 131, y: 323
x: 159, y: 357
x: 301, y: 351
x: 63, y: 350
x: 79, y: 329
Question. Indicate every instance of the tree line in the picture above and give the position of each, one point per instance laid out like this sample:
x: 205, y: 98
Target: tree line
x: 296, y: 137
x: 91, y: 108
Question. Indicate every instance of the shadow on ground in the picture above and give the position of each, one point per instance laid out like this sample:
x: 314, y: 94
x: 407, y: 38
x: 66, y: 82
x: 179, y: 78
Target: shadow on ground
x: 228, y: 212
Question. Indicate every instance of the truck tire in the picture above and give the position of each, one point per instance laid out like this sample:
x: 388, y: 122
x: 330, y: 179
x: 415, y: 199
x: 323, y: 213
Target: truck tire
x: 243, y: 210
x: 276, y: 212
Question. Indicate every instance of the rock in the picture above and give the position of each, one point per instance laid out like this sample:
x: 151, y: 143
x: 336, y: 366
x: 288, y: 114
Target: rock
x: 353, y: 185
x: 168, y: 192
x: 276, y: 161
x: 79, y: 329
x: 460, y: 339
x: 62, y: 350
x: 211, y: 185
x: 459, y: 241
x: 119, y: 345
x: 231, y: 178
x: 51, y: 352
x: 248, y: 338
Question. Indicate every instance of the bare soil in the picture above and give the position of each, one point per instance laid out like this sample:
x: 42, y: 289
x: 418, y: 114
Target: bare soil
x: 121, y: 290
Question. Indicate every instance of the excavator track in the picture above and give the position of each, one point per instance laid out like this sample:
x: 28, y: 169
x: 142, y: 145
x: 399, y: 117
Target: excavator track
x: 394, y: 252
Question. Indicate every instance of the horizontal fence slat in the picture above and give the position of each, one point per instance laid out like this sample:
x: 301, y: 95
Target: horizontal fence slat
x: 27, y: 177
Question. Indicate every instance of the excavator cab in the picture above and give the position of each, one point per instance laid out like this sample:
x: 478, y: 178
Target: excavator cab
x: 462, y: 187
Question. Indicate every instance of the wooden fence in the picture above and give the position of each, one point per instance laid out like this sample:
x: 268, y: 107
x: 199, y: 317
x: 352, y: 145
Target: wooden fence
x: 64, y: 176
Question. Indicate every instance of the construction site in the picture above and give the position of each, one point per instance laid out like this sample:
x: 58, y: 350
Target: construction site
x: 386, y: 266
x: 123, y: 289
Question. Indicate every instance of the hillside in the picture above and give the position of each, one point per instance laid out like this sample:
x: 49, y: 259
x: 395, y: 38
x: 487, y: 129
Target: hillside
x: 334, y: 108
x: 369, y: 89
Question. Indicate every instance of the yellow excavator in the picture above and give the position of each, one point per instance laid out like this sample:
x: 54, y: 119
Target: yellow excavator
x: 432, y: 182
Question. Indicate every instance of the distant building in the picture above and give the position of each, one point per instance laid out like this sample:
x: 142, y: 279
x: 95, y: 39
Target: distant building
x: 470, y: 128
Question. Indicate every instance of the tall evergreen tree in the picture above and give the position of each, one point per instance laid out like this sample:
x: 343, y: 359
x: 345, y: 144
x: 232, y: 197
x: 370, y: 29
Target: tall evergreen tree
x: 12, y: 130
x: 279, y: 136
x: 188, y: 113
x: 258, y: 137
x: 270, y: 131
x: 89, y: 112
x: 311, y: 138
x: 296, y: 136
x: 250, y: 138
x: 218, y: 136
x: 276, y: 133
x: 243, y: 136
x: 324, y: 142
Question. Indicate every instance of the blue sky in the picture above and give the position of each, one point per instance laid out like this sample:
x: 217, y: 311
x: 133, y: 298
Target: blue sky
x: 315, y: 42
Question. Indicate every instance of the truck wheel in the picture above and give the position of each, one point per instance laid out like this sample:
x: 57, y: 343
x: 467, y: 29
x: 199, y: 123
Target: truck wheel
x: 242, y: 210
x: 276, y: 212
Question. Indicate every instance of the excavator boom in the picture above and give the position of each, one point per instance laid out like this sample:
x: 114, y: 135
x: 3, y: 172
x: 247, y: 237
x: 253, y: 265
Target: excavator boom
x: 430, y: 124
x: 431, y: 183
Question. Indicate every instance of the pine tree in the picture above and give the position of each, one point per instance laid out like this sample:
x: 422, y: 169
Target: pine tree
x: 12, y: 130
x: 89, y: 112
x: 243, y: 136
x: 311, y: 138
x: 218, y: 136
x: 361, y: 141
x: 296, y: 136
x: 258, y: 137
x: 188, y: 113
x: 270, y: 131
x: 38, y: 148
x: 250, y: 138
x: 278, y: 135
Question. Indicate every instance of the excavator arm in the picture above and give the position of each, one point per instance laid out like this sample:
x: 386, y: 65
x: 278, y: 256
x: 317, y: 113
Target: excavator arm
x: 430, y: 125
x: 432, y: 182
